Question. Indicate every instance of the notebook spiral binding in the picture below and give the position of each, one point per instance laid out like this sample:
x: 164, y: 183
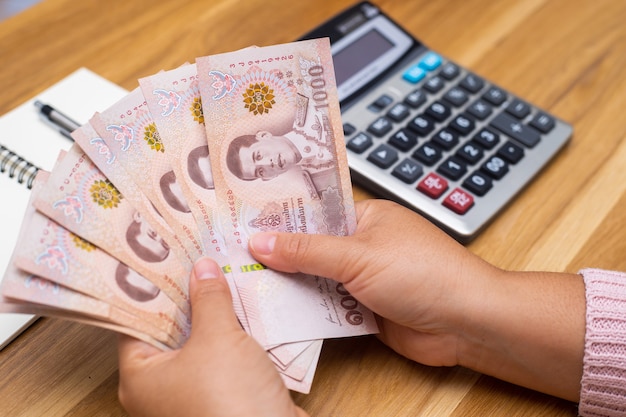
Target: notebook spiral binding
x: 17, y: 167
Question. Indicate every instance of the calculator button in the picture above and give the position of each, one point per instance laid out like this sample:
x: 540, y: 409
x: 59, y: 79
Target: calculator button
x: 511, y: 152
x: 470, y: 152
x: 398, y: 112
x: 414, y: 74
x: 383, y: 156
x: 434, y: 84
x: 478, y: 183
x: 408, y: 171
x: 472, y: 83
x: 456, y: 96
x: 495, y: 95
x: 422, y: 125
x: 486, y: 138
x: 380, y: 127
x: 479, y: 109
x: 433, y: 185
x: 542, y: 122
x: 452, y: 168
x: 382, y: 102
x: 403, y: 139
x: 518, y: 109
x: 446, y: 138
x: 459, y: 201
x: 449, y: 71
x: 348, y: 129
x: 516, y: 129
x: 416, y: 98
x: 428, y: 153
x: 438, y: 111
x: 430, y: 61
x: 495, y: 167
x: 360, y: 143
x: 462, y: 124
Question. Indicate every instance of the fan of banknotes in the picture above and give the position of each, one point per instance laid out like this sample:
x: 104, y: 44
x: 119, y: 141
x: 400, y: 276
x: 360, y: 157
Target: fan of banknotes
x: 189, y: 164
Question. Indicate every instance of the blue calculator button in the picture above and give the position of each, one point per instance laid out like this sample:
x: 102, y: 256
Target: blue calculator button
x: 430, y: 61
x: 414, y: 74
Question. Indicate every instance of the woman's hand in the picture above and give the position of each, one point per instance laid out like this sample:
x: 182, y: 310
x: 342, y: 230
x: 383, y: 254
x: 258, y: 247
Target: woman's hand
x: 397, y: 264
x: 220, y: 371
x: 441, y: 305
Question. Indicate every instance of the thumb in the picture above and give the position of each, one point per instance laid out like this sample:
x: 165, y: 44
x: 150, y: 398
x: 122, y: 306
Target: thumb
x: 333, y: 257
x: 212, y: 311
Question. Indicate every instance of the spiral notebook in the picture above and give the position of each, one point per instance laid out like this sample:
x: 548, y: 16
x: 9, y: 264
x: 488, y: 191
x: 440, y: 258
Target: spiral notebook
x: 29, y: 143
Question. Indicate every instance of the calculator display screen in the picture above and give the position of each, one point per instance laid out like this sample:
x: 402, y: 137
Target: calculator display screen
x: 358, y: 54
x: 366, y: 52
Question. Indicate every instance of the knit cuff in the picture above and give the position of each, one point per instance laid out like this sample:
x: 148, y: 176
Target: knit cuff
x: 603, y: 384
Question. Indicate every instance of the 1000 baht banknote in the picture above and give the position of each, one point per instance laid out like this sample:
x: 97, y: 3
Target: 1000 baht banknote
x: 26, y: 292
x: 108, y: 163
x: 80, y: 198
x: 278, y: 156
x: 129, y: 131
x: 50, y: 251
x: 173, y: 98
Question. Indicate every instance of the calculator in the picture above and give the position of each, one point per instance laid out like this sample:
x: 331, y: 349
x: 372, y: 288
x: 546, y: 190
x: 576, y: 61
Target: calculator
x: 428, y: 133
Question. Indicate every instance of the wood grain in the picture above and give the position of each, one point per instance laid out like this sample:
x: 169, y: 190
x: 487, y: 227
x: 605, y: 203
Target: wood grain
x: 567, y: 56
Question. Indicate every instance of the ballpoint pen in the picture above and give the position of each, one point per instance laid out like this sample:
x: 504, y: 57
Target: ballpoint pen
x: 63, y: 123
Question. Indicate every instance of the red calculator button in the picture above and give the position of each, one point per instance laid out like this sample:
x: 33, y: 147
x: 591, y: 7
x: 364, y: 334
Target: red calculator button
x: 459, y: 201
x: 433, y: 185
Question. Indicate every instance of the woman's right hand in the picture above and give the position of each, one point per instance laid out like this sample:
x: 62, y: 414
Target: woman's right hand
x: 441, y: 305
x: 397, y: 264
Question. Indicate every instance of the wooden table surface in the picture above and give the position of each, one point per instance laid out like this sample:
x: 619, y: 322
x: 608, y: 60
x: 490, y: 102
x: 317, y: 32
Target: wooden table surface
x: 567, y: 56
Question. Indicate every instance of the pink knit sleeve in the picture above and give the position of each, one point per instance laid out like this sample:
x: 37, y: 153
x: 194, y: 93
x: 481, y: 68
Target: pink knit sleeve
x: 603, y: 385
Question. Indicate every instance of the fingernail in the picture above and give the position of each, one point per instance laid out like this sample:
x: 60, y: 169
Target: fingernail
x: 263, y: 243
x: 206, y: 268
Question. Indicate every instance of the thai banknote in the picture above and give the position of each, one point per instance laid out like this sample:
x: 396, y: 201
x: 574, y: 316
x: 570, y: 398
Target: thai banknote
x: 129, y: 131
x: 23, y: 292
x: 278, y: 157
x: 284, y: 354
x: 299, y: 366
x: 102, y: 156
x: 303, y: 383
x: 173, y: 98
x: 81, y: 199
x: 50, y: 251
x: 44, y: 297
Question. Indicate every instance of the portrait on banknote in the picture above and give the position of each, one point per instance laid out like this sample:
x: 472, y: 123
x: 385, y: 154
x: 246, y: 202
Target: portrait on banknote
x: 145, y: 242
x: 199, y: 167
x: 307, y: 148
x: 172, y: 193
x: 135, y: 285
